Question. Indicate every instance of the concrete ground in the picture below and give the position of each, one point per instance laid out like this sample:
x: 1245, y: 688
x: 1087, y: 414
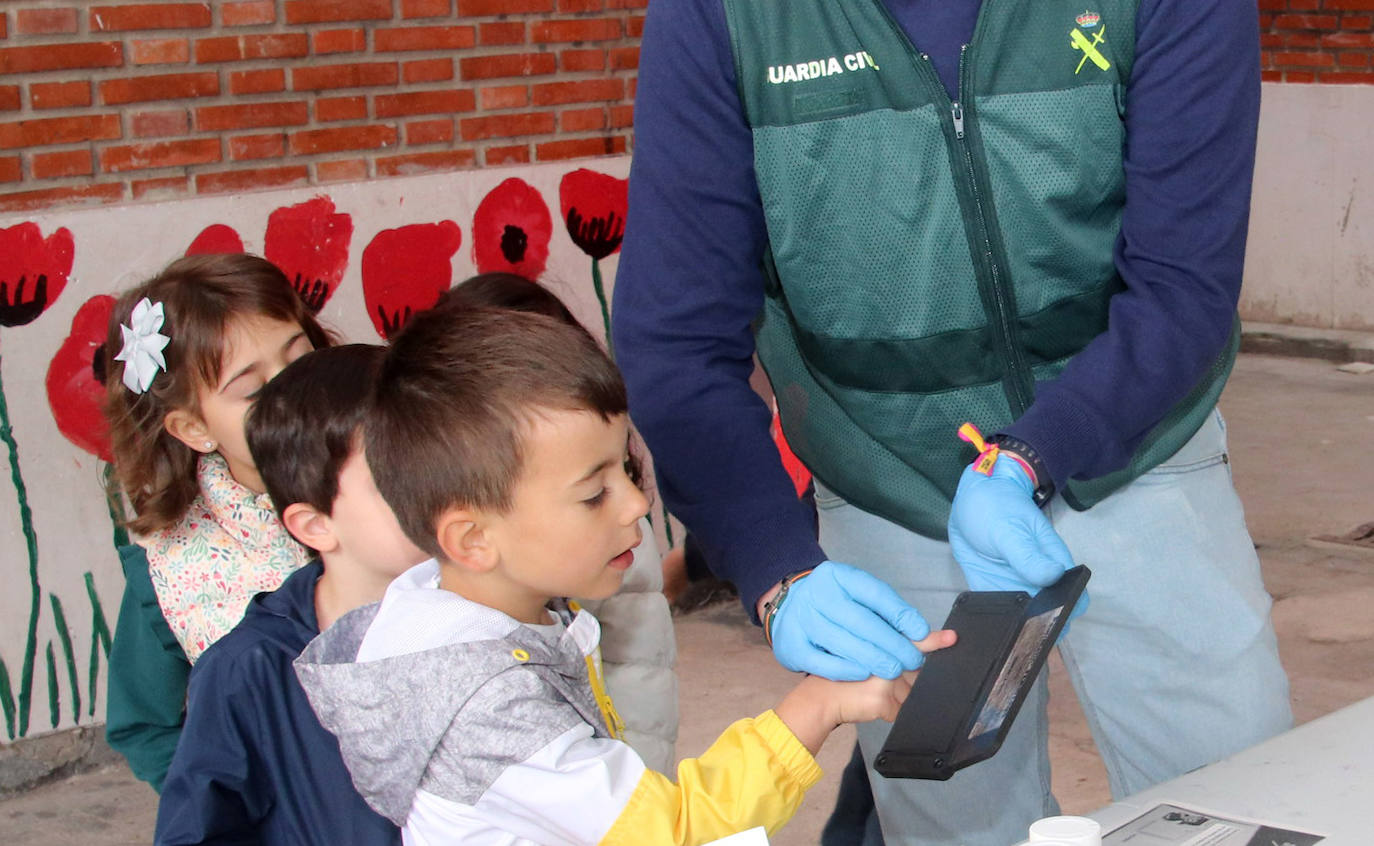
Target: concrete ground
x: 1300, y: 437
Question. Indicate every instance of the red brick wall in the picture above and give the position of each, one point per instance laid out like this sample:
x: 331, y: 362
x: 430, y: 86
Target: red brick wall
x: 103, y: 102
x: 1317, y: 40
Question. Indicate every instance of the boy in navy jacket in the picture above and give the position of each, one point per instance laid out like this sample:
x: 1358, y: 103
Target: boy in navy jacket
x: 253, y: 763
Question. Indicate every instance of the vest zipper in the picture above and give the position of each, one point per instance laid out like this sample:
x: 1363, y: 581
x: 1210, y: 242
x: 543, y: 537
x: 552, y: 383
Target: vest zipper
x: 1017, y: 380
x: 1003, y: 312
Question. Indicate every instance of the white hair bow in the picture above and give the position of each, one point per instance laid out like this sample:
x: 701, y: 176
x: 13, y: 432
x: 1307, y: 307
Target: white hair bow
x: 143, y: 345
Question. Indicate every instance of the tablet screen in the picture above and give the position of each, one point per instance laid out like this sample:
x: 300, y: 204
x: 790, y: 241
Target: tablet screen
x: 1014, y: 671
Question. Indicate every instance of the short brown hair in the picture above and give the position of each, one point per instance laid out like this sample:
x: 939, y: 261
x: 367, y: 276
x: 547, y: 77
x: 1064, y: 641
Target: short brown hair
x: 308, y: 420
x: 457, y: 388
x: 200, y: 296
x: 499, y: 289
x: 502, y: 290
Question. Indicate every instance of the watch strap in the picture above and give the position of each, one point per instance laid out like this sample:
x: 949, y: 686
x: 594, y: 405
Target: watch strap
x: 770, y: 608
x: 1034, y: 464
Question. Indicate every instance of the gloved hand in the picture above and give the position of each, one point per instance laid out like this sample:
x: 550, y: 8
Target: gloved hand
x: 844, y: 624
x: 1001, y: 540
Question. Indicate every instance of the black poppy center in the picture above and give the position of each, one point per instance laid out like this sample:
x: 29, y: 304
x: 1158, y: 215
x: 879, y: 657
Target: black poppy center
x: 98, y: 364
x: 514, y: 242
x: 20, y: 308
x: 598, y: 237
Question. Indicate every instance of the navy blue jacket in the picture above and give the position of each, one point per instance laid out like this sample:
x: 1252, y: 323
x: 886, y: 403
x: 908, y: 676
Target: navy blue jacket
x: 689, y: 282
x: 253, y: 764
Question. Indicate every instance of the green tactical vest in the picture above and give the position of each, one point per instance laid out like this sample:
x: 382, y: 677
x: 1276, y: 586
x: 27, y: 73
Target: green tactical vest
x: 929, y: 260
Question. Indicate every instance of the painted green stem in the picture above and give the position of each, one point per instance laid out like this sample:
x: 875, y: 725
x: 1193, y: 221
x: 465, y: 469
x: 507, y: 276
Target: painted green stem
x: 100, y: 632
x: 54, y: 699
x: 7, y: 698
x: 100, y: 637
x: 605, y: 306
x: 98, y: 626
x: 64, y: 637
x: 31, y: 541
x: 115, y: 505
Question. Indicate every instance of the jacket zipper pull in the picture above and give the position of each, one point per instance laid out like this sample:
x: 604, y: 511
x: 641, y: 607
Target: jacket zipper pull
x: 958, y: 112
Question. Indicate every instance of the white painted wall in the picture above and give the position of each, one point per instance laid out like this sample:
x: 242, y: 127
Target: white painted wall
x: 1311, y: 251
x: 117, y: 247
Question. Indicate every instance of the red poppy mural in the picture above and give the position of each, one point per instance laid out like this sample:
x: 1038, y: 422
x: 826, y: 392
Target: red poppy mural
x: 33, y: 273
x: 511, y: 230
x: 214, y: 239
x: 309, y: 242
x: 405, y: 270
x: 594, y: 207
x: 75, y: 382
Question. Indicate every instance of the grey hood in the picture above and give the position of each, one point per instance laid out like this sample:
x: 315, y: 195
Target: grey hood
x: 396, y: 718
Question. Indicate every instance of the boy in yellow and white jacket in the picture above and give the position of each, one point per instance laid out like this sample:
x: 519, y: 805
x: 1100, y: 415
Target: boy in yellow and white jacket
x: 468, y: 703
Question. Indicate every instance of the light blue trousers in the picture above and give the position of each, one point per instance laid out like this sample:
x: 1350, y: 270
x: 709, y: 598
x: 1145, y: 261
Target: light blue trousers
x: 1175, y: 662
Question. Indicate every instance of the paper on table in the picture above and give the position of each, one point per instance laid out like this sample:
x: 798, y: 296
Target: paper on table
x: 1175, y: 825
x: 757, y: 836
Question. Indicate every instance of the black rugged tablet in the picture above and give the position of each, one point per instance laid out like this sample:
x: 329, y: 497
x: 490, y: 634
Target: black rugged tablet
x: 963, y: 702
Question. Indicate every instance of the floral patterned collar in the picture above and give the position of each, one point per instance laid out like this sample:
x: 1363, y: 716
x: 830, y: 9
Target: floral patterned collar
x: 228, y: 547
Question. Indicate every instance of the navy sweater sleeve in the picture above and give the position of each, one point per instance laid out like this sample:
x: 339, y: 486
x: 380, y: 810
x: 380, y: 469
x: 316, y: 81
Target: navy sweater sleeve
x: 1192, y: 111
x: 688, y: 286
x: 212, y: 794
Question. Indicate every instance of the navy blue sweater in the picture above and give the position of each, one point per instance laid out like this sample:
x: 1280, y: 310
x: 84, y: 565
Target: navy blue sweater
x: 689, y: 282
x: 253, y: 764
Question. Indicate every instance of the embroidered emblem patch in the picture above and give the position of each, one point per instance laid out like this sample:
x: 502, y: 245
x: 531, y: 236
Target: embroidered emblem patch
x: 1080, y: 42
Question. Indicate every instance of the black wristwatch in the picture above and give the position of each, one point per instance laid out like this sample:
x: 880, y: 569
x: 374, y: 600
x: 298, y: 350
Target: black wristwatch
x: 1044, y: 484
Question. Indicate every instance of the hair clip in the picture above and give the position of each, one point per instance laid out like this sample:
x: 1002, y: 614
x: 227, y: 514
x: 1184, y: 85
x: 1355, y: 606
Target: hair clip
x: 143, y: 345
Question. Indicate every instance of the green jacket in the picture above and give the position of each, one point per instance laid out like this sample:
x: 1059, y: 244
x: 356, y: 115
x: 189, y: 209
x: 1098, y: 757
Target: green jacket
x: 146, y: 698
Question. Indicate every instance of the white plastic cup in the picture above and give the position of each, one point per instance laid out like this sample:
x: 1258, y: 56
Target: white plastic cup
x: 1071, y: 831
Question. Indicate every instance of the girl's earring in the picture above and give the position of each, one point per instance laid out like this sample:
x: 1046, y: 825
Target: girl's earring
x: 209, y: 446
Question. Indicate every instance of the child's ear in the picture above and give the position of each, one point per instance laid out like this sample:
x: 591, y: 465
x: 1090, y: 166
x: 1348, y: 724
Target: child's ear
x: 463, y: 538
x: 310, y: 526
x: 188, y: 428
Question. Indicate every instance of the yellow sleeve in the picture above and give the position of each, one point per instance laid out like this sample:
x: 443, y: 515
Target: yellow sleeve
x: 755, y: 774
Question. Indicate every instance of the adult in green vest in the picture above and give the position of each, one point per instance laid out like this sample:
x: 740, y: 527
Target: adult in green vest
x: 1027, y: 214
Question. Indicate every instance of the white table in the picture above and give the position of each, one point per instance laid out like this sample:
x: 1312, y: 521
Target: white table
x: 1319, y: 777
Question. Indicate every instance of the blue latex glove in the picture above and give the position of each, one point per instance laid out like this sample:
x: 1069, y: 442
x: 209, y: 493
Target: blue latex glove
x: 1001, y: 540
x: 844, y: 624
